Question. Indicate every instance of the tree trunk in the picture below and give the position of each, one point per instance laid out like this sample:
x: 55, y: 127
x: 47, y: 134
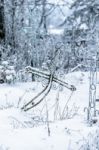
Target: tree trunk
x: 2, y: 27
x: 33, y: 77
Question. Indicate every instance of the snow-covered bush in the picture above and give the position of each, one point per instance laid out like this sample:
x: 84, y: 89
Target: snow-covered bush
x: 91, y: 142
x: 23, y: 76
x: 7, y: 73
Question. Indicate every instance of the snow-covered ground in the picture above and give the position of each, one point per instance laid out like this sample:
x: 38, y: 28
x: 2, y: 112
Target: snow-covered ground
x: 68, y: 127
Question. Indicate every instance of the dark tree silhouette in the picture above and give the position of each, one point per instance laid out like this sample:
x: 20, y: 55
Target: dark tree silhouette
x: 2, y: 33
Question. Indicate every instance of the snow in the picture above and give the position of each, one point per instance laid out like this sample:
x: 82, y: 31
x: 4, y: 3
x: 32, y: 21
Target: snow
x: 5, y: 63
x: 55, y: 31
x: 60, y: 1
x: 21, y: 130
x: 62, y: 8
x: 84, y: 26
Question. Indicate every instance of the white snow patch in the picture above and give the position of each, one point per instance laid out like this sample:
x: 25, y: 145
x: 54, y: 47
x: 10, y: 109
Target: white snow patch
x: 22, y: 130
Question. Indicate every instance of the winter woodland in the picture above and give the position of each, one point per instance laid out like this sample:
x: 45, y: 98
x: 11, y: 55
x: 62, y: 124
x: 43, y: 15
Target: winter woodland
x: 49, y: 74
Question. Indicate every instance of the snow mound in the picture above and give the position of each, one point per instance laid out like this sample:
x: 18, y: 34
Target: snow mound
x: 14, y: 118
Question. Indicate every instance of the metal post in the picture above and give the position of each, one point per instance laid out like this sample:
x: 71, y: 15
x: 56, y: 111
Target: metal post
x: 92, y: 89
x: 93, y: 83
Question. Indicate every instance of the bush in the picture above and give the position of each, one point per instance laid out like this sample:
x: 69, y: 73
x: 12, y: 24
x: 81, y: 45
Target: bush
x: 7, y: 73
